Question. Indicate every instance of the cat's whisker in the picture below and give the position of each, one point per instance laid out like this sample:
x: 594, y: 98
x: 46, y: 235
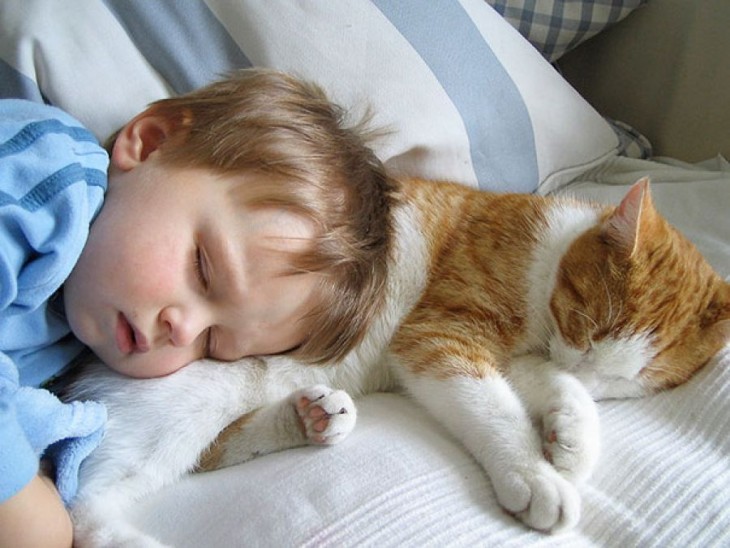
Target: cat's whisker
x: 618, y: 316
x: 586, y: 316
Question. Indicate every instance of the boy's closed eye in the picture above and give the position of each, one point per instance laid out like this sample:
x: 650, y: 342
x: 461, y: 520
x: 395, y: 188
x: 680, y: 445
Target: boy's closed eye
x: 201, y: 268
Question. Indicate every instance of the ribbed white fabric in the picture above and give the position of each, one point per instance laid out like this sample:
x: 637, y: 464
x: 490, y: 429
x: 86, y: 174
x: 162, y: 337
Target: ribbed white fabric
x: 400, y: 480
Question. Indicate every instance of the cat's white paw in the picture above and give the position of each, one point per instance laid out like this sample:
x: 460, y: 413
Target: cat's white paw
x: 327, y: 416
x: 539, y: 496
x: 571, y: 439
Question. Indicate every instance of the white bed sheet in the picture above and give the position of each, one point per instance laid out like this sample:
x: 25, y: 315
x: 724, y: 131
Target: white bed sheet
x: 401, y: 480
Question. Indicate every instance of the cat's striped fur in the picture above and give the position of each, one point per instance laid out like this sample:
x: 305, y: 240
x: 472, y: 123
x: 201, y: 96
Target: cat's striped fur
x: 501, y: 312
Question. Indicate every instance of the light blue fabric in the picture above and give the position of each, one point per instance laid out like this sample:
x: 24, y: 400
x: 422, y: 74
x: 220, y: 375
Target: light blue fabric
x: 52, y: 184
x: 194, y: 49
x: 502, y: 147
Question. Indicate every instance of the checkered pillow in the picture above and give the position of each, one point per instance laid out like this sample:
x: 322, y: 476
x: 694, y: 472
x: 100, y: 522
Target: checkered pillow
x: 556, y: 26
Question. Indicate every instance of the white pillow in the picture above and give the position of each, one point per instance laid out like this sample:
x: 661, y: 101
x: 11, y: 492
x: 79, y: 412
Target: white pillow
x: 468, y: 99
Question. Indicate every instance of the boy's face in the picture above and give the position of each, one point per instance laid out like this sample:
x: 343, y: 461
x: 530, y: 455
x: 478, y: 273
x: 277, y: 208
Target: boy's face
x: 175, y: 270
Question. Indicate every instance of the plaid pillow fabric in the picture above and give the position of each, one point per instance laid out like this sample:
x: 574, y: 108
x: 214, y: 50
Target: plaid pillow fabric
x: 556, y: 26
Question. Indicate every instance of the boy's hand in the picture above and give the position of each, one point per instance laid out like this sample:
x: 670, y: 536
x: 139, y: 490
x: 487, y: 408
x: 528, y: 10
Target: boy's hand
x: 35, y: 516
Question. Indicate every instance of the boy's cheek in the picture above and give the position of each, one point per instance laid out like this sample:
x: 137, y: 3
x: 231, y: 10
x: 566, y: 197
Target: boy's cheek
x: 155, y: 275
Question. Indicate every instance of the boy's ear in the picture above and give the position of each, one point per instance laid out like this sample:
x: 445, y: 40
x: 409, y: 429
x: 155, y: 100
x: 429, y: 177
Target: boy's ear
x: 138, y: 139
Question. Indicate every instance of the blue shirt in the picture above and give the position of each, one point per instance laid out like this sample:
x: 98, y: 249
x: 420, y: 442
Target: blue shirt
x: 52, y: 184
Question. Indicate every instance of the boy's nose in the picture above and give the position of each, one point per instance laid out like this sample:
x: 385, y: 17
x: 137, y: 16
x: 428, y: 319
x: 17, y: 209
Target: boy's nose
x: 181, y: 326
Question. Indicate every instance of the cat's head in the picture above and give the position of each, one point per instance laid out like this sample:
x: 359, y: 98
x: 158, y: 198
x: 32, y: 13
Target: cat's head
x: 634, y: 299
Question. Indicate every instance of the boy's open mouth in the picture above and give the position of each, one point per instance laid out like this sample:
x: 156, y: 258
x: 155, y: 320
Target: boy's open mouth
x: 128, y: 338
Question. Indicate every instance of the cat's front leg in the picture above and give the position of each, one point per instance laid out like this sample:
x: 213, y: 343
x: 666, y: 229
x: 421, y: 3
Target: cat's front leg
x: 564, y: 413
x: 156, y: 432
x: 326, y: 416
x: 490, y: 420
x: 315, y: 415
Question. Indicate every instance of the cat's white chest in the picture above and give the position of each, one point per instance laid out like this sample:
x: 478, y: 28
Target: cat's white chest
x: 564, y: 223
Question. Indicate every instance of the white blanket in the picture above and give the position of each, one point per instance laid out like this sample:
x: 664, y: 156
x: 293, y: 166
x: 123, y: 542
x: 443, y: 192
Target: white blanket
x: 401, y: 480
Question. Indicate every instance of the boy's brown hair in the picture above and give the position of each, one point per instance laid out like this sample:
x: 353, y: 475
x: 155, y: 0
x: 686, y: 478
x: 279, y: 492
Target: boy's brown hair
x: 285, y: 130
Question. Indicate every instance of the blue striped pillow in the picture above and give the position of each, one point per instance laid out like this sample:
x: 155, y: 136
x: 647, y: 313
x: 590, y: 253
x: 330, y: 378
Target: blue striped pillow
x: 466, y: 97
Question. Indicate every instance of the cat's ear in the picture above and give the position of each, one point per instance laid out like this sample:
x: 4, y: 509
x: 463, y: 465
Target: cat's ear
x: 627, y: 224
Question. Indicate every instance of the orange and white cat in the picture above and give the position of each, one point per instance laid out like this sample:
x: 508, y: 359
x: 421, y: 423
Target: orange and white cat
x: 505, y: 316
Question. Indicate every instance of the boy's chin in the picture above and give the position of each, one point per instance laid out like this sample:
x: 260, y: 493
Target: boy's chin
x: 136, y: 366
x: 114, y: 361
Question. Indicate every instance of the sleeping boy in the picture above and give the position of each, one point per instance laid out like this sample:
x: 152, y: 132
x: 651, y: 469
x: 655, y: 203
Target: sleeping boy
x: 241, y: 219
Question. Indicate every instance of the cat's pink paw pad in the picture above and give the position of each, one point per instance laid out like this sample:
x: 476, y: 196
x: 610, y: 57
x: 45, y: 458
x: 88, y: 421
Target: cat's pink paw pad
x: 571, y: 442
x: 326, y: 416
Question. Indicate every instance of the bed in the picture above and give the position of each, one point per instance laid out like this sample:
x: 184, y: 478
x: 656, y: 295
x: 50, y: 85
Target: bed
x: 468, y: 98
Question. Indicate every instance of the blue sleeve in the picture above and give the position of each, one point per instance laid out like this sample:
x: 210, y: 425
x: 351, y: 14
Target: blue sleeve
x: 52, y: 183
x: 35, y: 423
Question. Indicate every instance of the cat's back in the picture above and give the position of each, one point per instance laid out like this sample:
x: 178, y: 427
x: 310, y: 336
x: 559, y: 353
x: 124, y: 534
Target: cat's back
x: 465, y: 227
x: 493, y: 256
x: 481, y: 247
